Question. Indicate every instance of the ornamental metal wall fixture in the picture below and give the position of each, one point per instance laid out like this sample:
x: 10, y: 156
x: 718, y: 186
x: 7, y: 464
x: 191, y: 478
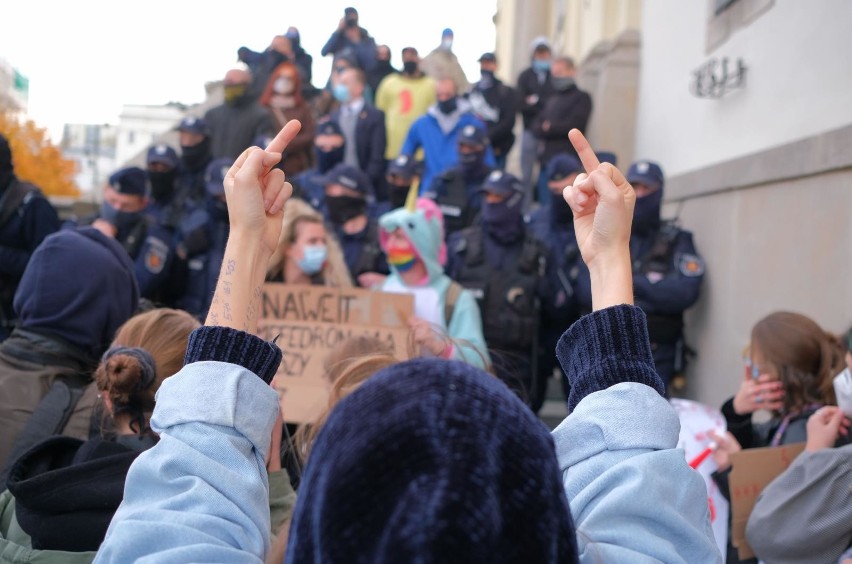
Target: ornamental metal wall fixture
x: 715, y: 78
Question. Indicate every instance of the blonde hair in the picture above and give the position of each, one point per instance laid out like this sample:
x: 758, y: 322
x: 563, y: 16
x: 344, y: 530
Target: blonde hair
x: 296, y: 212
x: 163, y: 333
x: 347, y: 366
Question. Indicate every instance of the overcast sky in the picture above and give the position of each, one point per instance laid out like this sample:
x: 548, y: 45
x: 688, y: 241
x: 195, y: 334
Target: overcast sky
x: 85, y: 59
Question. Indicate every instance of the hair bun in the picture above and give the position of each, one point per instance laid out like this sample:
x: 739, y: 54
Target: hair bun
x: 128, y: 370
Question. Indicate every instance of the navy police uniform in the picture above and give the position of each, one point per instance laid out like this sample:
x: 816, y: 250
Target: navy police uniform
x: 503, y: 265
x: 204, y: 243
x: 26, y: 218
x: 194, y: 158
x: 458, y: 190
x: 361, y: 250
x: 554, y: 224
x: 149, y: 244
x: 667, y: 273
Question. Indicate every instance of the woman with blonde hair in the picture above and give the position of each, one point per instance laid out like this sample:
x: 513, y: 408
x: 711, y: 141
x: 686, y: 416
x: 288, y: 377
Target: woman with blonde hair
x: 307, y: 253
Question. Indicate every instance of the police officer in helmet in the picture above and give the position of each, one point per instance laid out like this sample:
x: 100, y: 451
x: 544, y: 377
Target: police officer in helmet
x: 667, y: 271
x: 503, y: 265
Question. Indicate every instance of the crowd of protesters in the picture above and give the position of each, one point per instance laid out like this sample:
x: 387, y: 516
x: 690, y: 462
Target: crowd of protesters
x: 396, y: 181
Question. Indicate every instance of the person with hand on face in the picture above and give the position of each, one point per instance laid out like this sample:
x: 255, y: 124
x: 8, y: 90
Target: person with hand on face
x: 352, y: 39
x: 307, y: 254
x: 347, y: 194
x: 26, y: 218
x: 394, y: 424
x: 565, y: 109
x: 403, y: 98
x: 446, y: 321
x: 123, y: 217
x: 495, y: 104
x: 438, y: 131
x: 458, y: 190
x: 503, y: 265
x: 363, y: 129
x: 668, y: 271
x: 804, y: 514
x: 239, y: 120
x: 195, y: 155
x: 534, y: 89
x: 282, y: 96
x: 553, y: 224
x: 788, y: 371
x: 443, y: 63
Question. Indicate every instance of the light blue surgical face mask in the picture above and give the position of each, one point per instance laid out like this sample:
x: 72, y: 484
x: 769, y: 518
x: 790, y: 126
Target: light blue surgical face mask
x: 541, y: 65
x: 341, y: 93
x: 313, y: 259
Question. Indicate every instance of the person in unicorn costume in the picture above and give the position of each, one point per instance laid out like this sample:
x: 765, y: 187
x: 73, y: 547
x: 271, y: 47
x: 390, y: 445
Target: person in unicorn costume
x: 446, y: 321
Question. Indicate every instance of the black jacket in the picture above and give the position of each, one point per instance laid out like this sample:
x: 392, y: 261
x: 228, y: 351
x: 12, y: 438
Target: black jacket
x: 496, y: 107
x: 528, y: 85
x: 564, y: 111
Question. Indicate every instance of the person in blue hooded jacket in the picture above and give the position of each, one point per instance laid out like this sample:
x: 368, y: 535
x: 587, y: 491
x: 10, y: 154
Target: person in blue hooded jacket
x: 437, y: 132
x: 412, y: 238
x: 430, y: 459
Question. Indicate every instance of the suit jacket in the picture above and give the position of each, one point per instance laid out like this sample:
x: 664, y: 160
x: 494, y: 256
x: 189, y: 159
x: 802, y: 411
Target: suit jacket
x: 371, y: 141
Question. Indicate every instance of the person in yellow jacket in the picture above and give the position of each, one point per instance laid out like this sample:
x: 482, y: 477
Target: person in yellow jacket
x: 404, y: 97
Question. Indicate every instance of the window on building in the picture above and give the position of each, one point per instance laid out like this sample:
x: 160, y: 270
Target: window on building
x: 727, y: 16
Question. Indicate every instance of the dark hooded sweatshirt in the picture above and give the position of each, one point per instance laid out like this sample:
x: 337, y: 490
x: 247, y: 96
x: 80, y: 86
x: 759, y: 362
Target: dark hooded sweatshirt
x: 77, y: 290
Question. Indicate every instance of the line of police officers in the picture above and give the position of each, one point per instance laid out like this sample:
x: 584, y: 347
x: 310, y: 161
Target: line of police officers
x: 525, y: 272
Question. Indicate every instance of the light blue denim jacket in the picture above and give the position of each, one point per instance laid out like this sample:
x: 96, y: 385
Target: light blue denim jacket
x: 201, y: 493
x: 632, y: 494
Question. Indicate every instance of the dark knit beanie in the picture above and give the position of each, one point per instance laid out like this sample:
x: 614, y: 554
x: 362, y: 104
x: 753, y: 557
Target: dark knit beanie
x: 432, y: 461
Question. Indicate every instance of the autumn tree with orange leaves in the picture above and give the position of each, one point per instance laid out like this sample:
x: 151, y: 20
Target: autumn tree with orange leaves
x: 37, y: 160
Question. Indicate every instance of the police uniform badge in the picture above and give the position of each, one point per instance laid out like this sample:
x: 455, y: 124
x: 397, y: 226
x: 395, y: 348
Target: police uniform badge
x: 155, y: 257
x: 642, y: 167
x: 495, y: 176
x: 469, y: 131
x: 690, y: 265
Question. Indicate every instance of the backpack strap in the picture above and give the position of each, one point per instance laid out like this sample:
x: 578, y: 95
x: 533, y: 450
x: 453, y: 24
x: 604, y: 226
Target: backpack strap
x: 48, y: 419
x: 17, y: 194
x: 454, y: 290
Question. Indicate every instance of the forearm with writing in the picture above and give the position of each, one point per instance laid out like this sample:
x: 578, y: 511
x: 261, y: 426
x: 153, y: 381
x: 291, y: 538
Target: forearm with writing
x: 237, y: 297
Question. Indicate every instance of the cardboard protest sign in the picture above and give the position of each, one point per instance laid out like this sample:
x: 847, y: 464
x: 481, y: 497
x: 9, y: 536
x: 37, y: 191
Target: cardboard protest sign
x: 696, y: 420
x: 752, y: 470
x: 308, y: 321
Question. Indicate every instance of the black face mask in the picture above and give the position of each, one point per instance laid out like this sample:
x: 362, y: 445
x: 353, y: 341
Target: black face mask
x: 560, y: 211
x: 343, y: 208
x: 487, y: 79
x: 326, y: 160
x: 196, y: 157
x: 162, y: 184
x: 398, y: 195
x: 448, y: 106
x: 471, y: 163
x: 410, y: 67
x: 351, y: 22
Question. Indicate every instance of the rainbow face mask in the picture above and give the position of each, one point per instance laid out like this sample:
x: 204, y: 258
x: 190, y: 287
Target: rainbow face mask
x: 402, y: 258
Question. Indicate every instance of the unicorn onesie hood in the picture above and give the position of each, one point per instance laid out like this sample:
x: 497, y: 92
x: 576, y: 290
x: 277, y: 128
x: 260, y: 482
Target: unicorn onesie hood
x: 422, y: 224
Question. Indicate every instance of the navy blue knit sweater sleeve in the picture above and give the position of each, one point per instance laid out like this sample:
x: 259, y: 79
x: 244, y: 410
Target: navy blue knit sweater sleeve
x: 236, y: 347
x: 605, y: 348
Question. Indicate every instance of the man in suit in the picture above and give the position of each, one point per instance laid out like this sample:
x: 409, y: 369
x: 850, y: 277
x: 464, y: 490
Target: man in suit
x: 363, y: 129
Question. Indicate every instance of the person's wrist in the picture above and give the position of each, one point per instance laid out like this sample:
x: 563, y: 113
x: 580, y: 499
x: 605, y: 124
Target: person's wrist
x: 611, y: 275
